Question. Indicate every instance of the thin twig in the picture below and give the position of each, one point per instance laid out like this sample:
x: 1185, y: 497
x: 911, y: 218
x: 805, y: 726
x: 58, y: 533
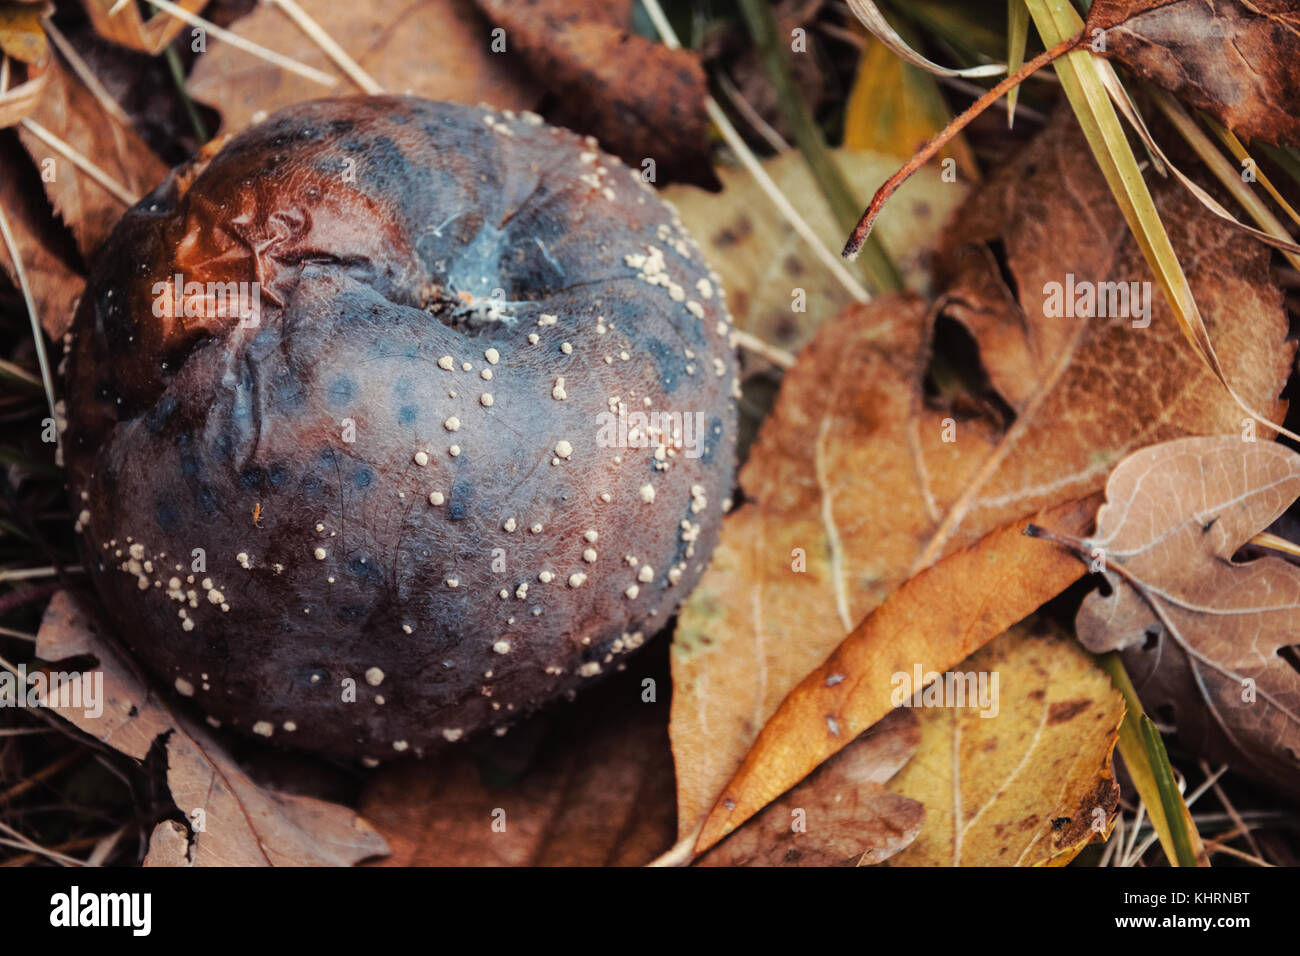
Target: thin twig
x: 773, y: 353
x: 863, y: 228
x: 27, y: 574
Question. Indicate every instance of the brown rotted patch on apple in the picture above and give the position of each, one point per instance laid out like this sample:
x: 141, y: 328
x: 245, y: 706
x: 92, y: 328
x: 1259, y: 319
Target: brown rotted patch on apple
x: 420, y: 480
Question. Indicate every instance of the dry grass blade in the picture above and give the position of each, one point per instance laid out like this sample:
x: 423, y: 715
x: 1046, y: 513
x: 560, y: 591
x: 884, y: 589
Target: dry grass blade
x: 336, y: 53
x: 871, y: 18
x: 1272, y: 232
x: 1238, y: 150
x: 101, y: 178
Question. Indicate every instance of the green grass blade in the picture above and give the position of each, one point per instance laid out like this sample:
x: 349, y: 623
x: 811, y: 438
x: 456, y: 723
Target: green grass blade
x: 1148, y: 765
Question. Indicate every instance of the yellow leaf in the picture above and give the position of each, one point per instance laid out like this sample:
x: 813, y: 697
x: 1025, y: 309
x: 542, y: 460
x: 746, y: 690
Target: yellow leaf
x: 1023, y: 777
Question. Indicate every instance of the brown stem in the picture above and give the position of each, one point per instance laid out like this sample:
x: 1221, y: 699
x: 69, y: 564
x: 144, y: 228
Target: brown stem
x: 863, y: 228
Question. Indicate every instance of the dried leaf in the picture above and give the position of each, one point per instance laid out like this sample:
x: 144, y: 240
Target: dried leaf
x: 936, y: 619
x: 1030, y: 785
x: 392, y: 40
x: 641, y: 99
x: 598, y: 792
x: 836, y: 511
x: 1203, y: 636
x: 776, y: 289
x: 45, y: 250
x: 1234, y: 59
x: 1043, y: 232
x: 1086, y: 392
x: 842, y: 814
x: 70, y: 111
x: 242, y: 823
x: 26, y: 86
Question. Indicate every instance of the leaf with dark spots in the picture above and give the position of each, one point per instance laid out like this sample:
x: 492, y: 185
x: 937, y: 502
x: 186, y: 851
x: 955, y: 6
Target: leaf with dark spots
x: 1233, y: 58
x: 1027, y: 784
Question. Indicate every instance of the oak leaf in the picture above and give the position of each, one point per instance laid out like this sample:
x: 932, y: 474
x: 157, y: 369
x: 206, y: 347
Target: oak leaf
x: 1205, y: 638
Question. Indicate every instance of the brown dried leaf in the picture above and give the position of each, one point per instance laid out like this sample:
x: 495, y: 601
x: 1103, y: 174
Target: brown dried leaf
x: 852, y: 469
x: 438, y: 49
x: 45, y: 251
x: 70, y: 111
x: 836, y: 512
x: 599, y: 792
x: 937, y: 619
x: 1234, y: 58
x: 1024, y: 786
x: 1204, y: 636
x: 641, y: 99
x: 243, y: 824
x: 841, y: 815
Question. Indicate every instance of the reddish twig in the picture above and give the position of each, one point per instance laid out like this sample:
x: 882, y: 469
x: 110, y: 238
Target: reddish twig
x: 863, y: 228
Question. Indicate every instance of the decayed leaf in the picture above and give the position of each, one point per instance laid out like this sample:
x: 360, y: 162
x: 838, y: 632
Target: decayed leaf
x: 56, y: 287
x: 837, y: 509
x: 1030, y: 785
x: 852, y: 469
x: 842, y: 815
x: 598, y: 791
x: 1106, y: 384
x: 936, y: 620
x: 438, y: 49
x: 1203, y: 635
x: 1234, y: 59
x: 241, y: 823
x: 764, y: 265
x: 21, y: 35
x: 641, y: 99
x: 70, y: 112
